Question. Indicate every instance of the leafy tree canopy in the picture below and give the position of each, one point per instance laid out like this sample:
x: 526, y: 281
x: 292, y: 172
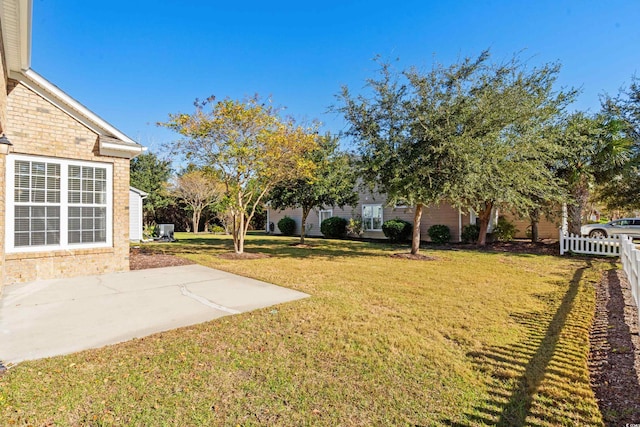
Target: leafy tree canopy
x: 332, y: 183
x: 250, y: 147
x: 150, y: 174
x: 470, y: 133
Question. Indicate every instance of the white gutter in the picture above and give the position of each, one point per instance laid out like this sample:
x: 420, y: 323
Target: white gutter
x: 26, y: 13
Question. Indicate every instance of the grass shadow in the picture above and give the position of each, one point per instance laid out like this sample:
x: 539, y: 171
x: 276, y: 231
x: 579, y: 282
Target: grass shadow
x: 534, y: 381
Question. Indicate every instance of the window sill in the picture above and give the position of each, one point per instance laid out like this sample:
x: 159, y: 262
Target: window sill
x: 58, y: 253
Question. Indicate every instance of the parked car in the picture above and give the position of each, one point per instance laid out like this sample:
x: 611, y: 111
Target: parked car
x: 630, y: 226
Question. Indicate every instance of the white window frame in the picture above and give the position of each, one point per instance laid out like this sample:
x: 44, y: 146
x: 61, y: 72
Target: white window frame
x: 320, y: 212
x: 373, y: 205
x: 64, y: 204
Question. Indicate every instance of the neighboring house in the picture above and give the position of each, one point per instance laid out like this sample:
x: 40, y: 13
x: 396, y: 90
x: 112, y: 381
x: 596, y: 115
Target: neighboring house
x: 64, y: 196
x: 373, y: 210
x: 136, y: 200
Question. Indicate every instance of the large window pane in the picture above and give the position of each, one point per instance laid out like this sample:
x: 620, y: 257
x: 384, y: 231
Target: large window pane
x: 39, y: 195
x: 372, y: 217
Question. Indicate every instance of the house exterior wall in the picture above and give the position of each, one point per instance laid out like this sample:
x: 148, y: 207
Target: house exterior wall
x: 3, y: 120
x: 443, y: 213
x: 37, y: 127
x: 547, y: 228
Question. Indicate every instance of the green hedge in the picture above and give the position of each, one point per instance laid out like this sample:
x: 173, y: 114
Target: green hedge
x: 334, y: 227
x: 287, y: 226
x: 397, y: 230
x: 439, y: 233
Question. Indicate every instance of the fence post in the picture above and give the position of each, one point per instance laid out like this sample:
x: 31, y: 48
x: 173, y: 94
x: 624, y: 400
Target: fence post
x: 561, y: 240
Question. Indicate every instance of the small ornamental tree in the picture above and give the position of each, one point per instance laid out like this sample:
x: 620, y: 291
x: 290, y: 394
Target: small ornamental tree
x: 332, y: 183
x: 197, y: 190
x: 249, y: 146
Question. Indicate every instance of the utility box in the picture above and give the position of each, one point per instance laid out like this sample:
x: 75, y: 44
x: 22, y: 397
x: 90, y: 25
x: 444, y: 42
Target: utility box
x: 165, y: 232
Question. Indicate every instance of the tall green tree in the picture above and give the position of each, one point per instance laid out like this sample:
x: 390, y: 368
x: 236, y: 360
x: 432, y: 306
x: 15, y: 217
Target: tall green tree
x: 151, y: 174
x: 621, y: 191
x: 249, y: 146
x: 502, y: 140
x: 332, y: 183
x: 597, y: 150
x: 403, y: 128
x: 468, y: 133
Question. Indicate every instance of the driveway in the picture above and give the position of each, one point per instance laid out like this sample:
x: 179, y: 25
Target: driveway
x: 53, y: 317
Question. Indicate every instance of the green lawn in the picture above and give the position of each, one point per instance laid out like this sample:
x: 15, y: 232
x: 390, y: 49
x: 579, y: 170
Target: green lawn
x: 469, y: 339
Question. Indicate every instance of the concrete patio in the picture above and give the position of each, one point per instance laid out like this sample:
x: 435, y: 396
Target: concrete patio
x: 54, y: 317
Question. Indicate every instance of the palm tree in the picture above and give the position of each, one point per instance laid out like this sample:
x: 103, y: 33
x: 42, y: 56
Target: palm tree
x: 597, y: 149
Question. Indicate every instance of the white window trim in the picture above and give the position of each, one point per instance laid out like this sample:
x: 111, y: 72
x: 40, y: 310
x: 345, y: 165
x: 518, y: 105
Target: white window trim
x: 320, y: 212
x: 64, y: 205
x: 381, y: 218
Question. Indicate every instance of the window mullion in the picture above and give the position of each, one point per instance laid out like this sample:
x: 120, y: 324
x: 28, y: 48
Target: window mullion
x: 64, y: 205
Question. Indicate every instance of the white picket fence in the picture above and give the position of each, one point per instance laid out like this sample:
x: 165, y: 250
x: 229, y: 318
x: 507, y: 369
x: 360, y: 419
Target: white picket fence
x: 630, y: 258
x: 607, y: 246
x: 617, y: 245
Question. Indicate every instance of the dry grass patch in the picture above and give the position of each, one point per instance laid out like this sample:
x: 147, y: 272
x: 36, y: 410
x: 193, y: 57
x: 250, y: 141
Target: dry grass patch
x: 467, y: 339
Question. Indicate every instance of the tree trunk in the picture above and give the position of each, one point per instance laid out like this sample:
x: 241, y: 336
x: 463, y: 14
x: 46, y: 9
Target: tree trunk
x: 484, y: 216
x: 580, y: 193
x: 303, y: 231
x: 235, y: 232
x: 534, y: 216
x: 415, y: 237
x: 241, y: 235
x: 196, y: 220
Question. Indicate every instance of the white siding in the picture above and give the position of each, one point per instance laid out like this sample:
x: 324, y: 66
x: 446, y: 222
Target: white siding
x: 135, y: 216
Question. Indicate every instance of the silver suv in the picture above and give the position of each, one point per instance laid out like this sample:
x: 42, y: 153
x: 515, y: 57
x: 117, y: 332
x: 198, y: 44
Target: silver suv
x: 630, y: 226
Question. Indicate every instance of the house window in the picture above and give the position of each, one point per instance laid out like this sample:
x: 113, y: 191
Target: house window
x: 87, y: 204
x: 324, y: 214
x: 401, y: 203
x: 57, y: 204
x: 372, y: 217
x: 37, y: 204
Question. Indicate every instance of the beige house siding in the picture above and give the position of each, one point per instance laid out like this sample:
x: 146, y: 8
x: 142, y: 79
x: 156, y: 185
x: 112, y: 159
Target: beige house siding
x: 37, y: 127
x: 547, y: 229
x: 443, y: 213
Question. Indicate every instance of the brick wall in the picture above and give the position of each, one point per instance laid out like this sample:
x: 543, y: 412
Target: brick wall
x: 35, y: 126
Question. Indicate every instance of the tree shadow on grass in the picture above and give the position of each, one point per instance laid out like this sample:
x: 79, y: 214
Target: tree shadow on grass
x: 279, y: 247
x: 535, y: 381
x: 612, y: 361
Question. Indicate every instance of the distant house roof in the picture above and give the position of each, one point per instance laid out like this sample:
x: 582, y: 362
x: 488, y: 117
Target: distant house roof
x: 140, y: 192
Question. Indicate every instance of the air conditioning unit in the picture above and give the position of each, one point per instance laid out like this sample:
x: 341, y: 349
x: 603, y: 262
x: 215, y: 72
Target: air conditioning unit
x: 165, y: 232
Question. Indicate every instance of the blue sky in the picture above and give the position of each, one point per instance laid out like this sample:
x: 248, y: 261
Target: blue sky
x: 133, y: 62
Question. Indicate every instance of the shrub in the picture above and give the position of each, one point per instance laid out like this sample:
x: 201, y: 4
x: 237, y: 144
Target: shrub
x: 355, y: 227
x: 216, y: 229
x: 287, y: 226
x: 505, y: 230
x: 334, y: 227
x: 470, y: 233
x: 397, y: 230
x: 439, y: 233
